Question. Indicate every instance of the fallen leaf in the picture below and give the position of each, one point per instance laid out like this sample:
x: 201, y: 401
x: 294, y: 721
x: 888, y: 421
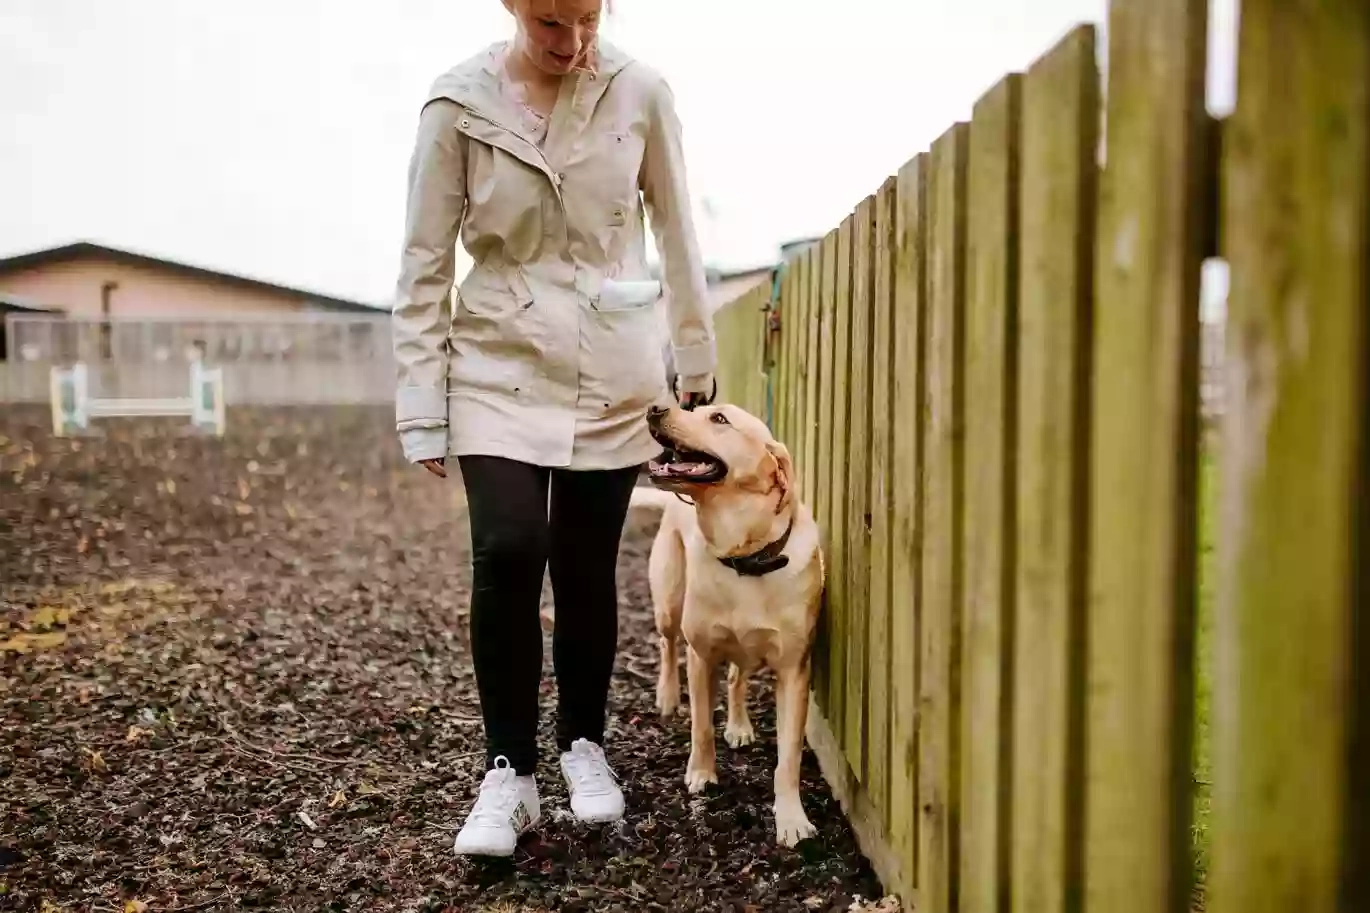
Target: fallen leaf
x: 319, y: 844
x: 135, y: 906
x: 96, y: 761
x: 366, y: 789
x: 171, y: 486
x: 339, y: 798
x: 26, y: 643
x: 135, y: 733
x: 48, y: 906
x: 308, y: 821
x: 44, y: 617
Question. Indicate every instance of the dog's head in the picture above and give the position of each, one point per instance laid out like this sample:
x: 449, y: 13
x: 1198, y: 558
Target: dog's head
x: 718, y: 448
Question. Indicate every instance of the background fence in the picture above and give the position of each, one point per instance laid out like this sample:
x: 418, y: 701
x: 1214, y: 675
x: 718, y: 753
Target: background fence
x: 989, y: 375
x: 305, y: 359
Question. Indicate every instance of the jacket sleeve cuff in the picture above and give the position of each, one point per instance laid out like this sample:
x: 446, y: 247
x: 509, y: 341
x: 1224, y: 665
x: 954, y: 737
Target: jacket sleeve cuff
x: 697, y: 383
x: 420, y: 407
x: 693, y: 360
x: 424, y: 444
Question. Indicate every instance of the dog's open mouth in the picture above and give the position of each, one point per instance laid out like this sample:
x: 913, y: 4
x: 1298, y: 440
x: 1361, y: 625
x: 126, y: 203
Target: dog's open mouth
x: 691, y: 466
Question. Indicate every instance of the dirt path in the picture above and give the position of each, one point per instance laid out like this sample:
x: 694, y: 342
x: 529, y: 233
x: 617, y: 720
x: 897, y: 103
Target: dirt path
x: 235, y: 674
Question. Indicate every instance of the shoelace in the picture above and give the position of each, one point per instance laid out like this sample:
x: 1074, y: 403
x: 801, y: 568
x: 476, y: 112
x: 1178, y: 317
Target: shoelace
x: 499, y: 794
x: 588, y: 769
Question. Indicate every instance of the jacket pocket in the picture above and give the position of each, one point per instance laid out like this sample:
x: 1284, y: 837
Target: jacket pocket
x: 624, y: 332
x: 492, y: 294
x: 494, y: 342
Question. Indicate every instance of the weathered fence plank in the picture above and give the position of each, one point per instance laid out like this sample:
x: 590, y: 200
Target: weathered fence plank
x: 1059, y: 143
x: 858, y: 472
x: 1143, y: 533
x: 825, y: 670
x: 883, y: 483
x: 991, y: 435
x: 795, y: 328
x: 1291, y: 811
x: 906, y: 507
x: 838, y: 705
x: 781, y: 391
x: 940, y: 664
x: 810, y: 360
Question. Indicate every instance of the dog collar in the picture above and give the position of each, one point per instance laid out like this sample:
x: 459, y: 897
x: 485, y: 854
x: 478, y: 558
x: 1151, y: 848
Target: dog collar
x: 763, y: 562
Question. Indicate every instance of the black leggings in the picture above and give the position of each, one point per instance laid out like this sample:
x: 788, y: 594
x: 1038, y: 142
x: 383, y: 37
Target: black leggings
x: 516, y: 534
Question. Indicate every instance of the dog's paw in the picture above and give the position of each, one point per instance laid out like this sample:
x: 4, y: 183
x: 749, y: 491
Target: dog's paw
x: 667, y: 704
x: 792, y: 825
x: 738, y: 735
x: 697, y: 779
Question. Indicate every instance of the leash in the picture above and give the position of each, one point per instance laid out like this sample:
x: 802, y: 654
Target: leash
x: 771, y: 310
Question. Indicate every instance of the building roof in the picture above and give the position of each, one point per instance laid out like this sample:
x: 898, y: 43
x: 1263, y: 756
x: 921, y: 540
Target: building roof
x: 10, y: 304
x: 80, y: 250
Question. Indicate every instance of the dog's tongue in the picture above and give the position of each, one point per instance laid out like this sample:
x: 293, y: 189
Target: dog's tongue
x: 688, y: 469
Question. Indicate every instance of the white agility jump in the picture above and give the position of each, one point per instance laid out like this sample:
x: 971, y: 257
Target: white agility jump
x: 73, y: 407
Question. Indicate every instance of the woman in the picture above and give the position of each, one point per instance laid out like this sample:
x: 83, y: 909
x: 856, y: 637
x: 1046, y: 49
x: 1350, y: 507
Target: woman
x: 538, y: 154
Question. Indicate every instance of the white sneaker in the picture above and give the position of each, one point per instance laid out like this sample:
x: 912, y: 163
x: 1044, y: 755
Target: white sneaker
x: 506, y: 807
x: 595, y: 796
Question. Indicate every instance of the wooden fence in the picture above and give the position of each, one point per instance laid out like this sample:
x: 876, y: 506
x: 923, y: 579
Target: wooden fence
x: 989, y: 377
x: 295, y: 359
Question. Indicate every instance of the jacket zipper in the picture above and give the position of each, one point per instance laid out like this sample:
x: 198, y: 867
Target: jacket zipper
x: 546, y: 167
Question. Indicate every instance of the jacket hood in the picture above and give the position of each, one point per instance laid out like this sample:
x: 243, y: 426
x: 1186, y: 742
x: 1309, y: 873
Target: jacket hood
x: 474, y: 83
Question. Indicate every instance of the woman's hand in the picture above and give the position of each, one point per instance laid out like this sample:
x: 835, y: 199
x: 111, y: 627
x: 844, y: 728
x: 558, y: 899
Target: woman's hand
x: 436, y: 467
x: 690, y: 390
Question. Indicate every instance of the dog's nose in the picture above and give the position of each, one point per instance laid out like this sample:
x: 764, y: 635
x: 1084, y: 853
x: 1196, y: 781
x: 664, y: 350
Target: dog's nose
x: 655, y: 413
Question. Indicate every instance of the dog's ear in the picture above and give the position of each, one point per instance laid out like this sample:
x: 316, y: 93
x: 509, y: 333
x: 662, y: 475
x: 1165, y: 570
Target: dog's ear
x: 784, y: 472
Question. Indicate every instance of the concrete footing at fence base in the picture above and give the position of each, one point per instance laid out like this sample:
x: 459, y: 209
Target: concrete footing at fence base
x: 856, y: 805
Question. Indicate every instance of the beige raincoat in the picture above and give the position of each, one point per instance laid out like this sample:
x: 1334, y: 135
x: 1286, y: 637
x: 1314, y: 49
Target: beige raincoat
x: 551, y: 352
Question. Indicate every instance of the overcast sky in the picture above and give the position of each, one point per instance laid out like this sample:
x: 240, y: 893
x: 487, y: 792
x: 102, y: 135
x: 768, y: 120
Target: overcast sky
x: 271, y: 137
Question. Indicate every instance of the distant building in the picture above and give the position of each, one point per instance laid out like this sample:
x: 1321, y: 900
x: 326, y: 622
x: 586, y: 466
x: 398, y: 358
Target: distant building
x: 91, y: 281
x: 730, y: 284
x: 11, y: 305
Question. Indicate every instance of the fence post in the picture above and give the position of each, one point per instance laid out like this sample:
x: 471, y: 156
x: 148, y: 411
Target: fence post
x: 1291, y: 802
x: 991, y: 471
x: 821, y: 473
x: 939, y: 681
x: 1143, y: 532
x: 906, y: 508
x: 857, y: 467
x: 883, y: 484
x: 1059, y: 171
x: 839, y: 616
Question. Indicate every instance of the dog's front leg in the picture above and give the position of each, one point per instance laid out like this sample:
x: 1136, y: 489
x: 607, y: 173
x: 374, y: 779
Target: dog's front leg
x: 739, y: 731
x: 792, y: 711
x: 701, y: 770
x: 668, y: 675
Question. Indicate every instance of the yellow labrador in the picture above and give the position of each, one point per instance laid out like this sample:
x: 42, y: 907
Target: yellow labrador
x: 737, y: 568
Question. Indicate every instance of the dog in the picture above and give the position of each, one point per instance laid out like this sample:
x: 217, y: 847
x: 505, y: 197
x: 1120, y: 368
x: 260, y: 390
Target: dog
x: 736, y: 568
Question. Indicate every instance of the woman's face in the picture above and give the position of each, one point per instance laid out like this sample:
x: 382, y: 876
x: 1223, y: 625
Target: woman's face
x: 557, y: 36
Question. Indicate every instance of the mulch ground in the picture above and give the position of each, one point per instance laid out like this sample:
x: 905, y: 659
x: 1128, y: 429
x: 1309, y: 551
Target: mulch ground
x: 235, y: 673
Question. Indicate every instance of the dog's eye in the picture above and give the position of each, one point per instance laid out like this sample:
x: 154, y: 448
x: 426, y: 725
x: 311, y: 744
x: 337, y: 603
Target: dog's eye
x: 718, y: 418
